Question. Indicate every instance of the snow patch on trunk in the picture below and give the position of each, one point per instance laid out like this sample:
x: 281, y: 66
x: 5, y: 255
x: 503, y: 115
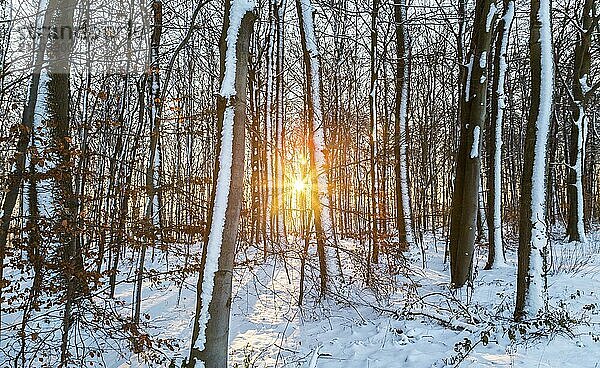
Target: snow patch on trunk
x: 490, y: 18
x: 475, y: 145
x: 468, y: 80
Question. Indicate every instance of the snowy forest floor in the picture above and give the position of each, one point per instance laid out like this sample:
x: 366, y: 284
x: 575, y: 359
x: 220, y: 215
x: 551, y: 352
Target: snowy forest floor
x: 411, y: 319
x: 406, y: 316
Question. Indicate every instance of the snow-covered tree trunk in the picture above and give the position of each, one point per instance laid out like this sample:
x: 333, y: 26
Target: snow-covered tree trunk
x: 403, y: 214
x: 465, y: 199
x: 316, y: 137
x: 580, y: 95
x: 211, y: 323
x: 494, y: 138
x: 533, y: 241
x: 575, y: 224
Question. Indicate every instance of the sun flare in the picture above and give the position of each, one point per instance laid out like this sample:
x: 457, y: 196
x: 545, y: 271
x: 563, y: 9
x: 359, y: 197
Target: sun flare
x: 299, y: 185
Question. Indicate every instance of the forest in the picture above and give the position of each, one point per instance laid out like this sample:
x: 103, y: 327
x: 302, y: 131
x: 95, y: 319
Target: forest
x: 299, y: 183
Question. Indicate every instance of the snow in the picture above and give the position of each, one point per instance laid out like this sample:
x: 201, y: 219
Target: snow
x: 45, y: 186
x: 153, y: 205
x: 475, y: 145
x: 483, y: 65
x: 362, y: 331
x: 412, y: 320
x: 239, y: 8
x: 535, y: 298
x: 213, y: 247
x: 309, y: 28
x: 508, y: 19
x: 578, y: 167
x: 490, y: 18
x: 468, y: 79
x: 42, y: 6
x: 418, y: 322
x: 583, y: 81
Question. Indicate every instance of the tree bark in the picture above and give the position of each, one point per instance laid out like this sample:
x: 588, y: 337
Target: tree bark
x: 531, y: 277
x: 580, y: 90
x: 494, y: 138
x: 211, y: 324
x: 403, y: 209
x: 65, y: 202
x: 465, y: 200
x: 152, y: 217
x: 316, y: 137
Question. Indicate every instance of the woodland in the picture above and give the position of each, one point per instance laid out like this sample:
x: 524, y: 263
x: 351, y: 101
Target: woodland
x: 299, y: 183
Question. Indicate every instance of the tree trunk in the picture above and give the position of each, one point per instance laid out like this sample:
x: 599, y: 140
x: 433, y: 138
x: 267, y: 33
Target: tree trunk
x: 316, y: 137
x: 580, y: 89
x: 373, y: 135
x: 64, y: 200
x: 211, y: 324
x: 25, y: 132
x: 465, y: 200
x: 151, y: 215
x: 403, y: 209
x: 494, y: 138
x: 531, y: 277
x: 279, y: 111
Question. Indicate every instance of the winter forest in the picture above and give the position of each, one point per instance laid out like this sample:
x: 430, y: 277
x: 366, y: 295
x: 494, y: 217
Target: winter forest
x: 299, y: 183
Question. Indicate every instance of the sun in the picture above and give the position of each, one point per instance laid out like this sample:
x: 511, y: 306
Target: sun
x: 299, y: 185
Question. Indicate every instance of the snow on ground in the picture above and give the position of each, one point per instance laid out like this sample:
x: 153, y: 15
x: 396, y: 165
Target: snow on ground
x: 404, y: 319
x: 418, y: 322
